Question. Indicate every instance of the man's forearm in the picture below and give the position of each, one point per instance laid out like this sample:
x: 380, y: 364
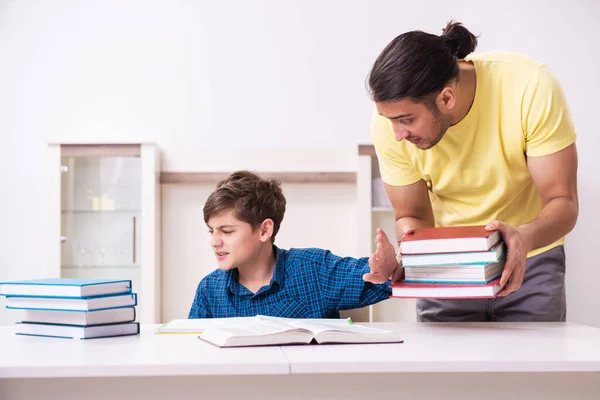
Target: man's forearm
x: 412, y: 223
x: 555, y: 220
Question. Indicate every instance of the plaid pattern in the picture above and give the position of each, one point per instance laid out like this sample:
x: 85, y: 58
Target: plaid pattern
x: 307, y: 283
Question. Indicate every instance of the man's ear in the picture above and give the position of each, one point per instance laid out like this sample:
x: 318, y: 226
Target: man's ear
x: 446, y: 99
x: 266, y: 230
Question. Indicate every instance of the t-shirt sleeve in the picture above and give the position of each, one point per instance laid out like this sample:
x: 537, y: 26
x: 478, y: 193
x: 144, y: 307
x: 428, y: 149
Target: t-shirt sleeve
x: 545, y: 115
x: 394, y: 168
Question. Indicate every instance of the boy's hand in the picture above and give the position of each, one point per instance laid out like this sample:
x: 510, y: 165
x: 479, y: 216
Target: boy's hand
x: 383, y: 262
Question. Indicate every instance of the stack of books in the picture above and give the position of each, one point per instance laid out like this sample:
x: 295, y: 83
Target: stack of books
x: 451, y: 262
x: 72, y: 308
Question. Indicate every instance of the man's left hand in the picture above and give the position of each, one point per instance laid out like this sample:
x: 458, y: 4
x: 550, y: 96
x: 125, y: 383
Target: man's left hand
x: 516, y: 258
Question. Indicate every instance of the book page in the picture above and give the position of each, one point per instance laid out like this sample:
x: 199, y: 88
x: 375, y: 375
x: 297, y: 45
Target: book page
x: 319, y: 326
x: 336, y: 332
x: 263, y: 326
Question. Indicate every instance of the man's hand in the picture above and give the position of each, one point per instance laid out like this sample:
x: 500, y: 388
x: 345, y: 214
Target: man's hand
x: 514, y: 268
x: 383, y: 263
x: 407, y: 231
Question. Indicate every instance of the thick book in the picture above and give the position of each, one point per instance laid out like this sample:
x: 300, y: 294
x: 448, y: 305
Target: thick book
x: 69, y: 303
x: 65, y: 287
x: 82, y: 318
x: 446, y: 259
x: 449, y: 239
x: 445, y: 290
x: 269, y: 331
x: 78, y: 332
x: 460, y: 273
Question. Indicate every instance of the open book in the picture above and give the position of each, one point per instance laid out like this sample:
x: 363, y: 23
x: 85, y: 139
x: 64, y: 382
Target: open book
x: 264, y: 331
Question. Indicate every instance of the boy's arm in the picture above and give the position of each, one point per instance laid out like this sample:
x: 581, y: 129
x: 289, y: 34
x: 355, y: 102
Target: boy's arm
x: 342, y: 285
x: 200, y: 308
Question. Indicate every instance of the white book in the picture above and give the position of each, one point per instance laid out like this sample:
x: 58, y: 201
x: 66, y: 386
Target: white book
x: 449, y: 239
x: 78, y: 332
x: 439, y: 290
x: 265, y: 331
x: 456, y: 273
x: 448, y: 259
x: 83, y: 318
x: 74, y: 304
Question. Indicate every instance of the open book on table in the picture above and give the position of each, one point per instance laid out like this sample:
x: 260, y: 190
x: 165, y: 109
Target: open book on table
x: 264, y: 331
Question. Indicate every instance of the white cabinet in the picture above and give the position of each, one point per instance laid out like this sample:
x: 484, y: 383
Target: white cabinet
x: 375, y: 211
x: 104, y: 202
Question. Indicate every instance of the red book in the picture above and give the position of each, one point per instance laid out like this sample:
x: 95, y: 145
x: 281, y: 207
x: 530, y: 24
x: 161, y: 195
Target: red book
x: 445, y: 291
x: 449, y: 239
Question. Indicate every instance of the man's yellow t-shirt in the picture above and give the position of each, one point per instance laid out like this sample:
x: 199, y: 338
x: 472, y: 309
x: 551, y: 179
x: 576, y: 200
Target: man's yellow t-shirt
x: 478, y: 172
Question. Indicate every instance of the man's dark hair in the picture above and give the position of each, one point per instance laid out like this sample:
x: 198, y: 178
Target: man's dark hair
x: 253, y: 198
x: 417, y: 64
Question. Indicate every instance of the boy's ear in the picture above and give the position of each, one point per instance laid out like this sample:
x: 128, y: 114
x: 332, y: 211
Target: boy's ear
x: 266, y: 230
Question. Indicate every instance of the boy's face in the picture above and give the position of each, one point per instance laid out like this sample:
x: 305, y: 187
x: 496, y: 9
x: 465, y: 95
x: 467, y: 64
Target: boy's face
x: 234, y: 242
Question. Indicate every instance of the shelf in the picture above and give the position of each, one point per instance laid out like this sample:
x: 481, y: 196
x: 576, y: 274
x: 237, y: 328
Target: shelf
x: 131, y: 266
x: 100, y: 211
x: 366, y: 150
x: 101, y: 150
x: 283, y: 177
x: 383, y: 209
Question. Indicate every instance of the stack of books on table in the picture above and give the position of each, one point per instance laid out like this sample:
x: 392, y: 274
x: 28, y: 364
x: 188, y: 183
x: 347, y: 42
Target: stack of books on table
x: 72, y: 308
x: 451, y: 262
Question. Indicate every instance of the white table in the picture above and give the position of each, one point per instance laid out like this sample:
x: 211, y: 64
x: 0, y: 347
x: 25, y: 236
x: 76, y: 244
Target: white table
x: 449, y: 361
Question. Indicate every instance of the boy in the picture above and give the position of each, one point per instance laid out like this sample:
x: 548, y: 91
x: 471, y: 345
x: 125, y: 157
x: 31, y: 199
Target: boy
x: 243, y: 216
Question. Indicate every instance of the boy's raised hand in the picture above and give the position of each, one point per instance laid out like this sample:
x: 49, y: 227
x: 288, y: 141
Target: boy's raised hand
x: 383, y: 262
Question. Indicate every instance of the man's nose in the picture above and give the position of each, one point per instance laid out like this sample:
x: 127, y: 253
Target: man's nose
x: 401, y: 133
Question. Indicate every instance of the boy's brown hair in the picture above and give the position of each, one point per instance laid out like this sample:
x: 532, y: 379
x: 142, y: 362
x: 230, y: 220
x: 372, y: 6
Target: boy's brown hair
x: 253, y: 198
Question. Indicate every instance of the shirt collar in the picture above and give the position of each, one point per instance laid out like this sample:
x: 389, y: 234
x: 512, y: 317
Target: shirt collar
x: 278, y: 274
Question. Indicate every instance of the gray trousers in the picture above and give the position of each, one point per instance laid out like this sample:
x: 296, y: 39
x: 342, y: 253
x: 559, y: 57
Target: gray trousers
x: 540, y: 298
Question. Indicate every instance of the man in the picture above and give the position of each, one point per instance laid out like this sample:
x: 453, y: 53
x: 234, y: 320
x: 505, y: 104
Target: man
x: 243, y: 215
x: 480, y: 140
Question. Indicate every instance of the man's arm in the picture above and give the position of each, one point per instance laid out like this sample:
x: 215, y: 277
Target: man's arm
x: 555, y: 176
x: 412, y: 207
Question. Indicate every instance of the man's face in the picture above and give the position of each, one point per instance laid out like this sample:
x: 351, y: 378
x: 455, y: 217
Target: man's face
x: 415, y: 122
x: 234, y: 242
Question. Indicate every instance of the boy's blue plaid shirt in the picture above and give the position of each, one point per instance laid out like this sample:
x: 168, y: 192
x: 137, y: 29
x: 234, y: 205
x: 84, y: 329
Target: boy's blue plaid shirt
x: 307, y: 283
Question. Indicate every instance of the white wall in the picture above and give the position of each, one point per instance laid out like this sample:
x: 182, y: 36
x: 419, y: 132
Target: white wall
x: 187, y: 257
x: 193, y: 75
